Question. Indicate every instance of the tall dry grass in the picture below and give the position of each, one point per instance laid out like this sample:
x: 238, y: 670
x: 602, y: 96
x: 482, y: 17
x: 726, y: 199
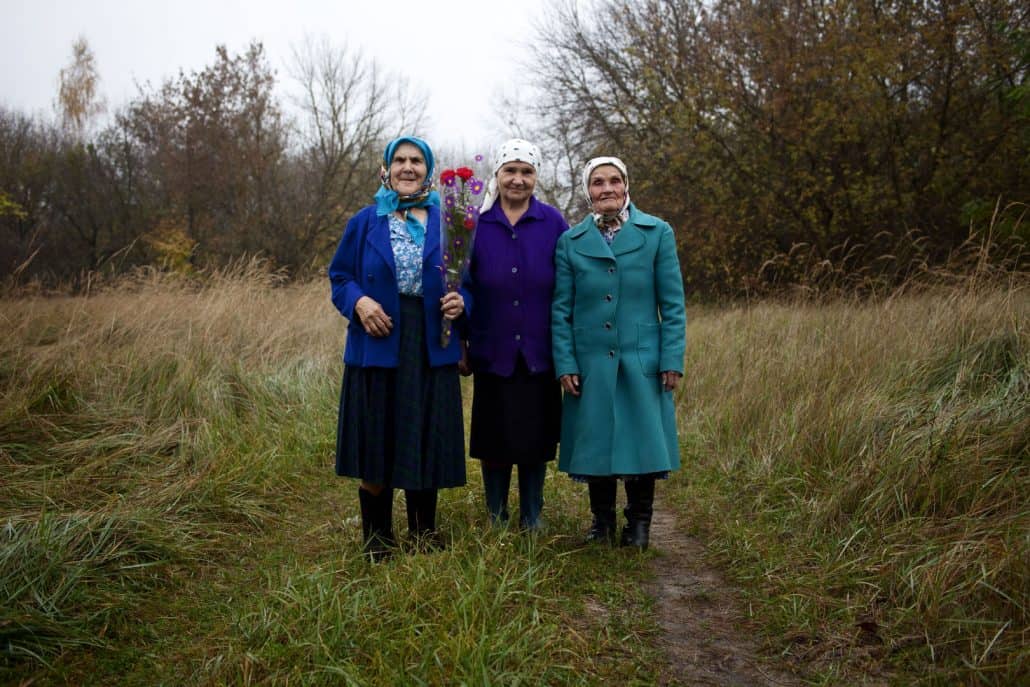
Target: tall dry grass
x: 169, y: 515
x: 865, y: 468
x: 137, y: 425
x: 168, y: 512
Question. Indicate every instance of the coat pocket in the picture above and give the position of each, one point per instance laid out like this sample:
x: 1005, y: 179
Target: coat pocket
x: 579, y: 342
x: 649, y: 347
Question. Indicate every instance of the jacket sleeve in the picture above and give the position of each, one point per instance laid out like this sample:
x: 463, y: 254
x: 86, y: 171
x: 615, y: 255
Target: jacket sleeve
x: 562, y: 340
x: 346, y: 266
x: 669, y: 290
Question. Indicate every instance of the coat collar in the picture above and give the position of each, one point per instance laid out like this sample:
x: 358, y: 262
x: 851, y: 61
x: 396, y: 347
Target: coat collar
x: 535, y: 211
x: 433, y: 234
x: 379, y: 237
x: 630, y: 237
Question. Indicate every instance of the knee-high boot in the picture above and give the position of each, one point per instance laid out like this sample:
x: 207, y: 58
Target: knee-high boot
x: 602, y: 505
x: 421, y: 507
x: 531, y: 494
x: 496, y: 482
x: 377, y: 523
x: 638, y: 512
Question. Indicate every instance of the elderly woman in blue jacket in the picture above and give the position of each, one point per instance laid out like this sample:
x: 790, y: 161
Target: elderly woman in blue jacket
x: 400, y: 422
x: 618, y: 327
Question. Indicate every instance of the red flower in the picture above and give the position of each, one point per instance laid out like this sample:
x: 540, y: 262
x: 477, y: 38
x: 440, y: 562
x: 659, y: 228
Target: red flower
x: 464, y: 172
x: 447, y: 176
x: 469, y: 224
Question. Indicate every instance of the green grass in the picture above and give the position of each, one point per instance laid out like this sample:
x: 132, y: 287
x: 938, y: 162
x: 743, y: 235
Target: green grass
x: 864, y: 470
x: 170, y: 516
x: 168, y: 512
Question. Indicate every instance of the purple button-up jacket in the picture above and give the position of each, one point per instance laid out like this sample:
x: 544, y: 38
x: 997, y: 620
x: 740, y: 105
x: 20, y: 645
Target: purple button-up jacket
x: 511, y: 279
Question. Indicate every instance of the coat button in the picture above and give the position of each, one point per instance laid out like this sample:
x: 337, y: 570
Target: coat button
x: 518, y: 337
x: 515, y: 303
x: 611, y: 270
x: 611, y: 354
x: 608, y: 298
x: 514, y: 236
x: 607, y: 325
x: 514, y: 270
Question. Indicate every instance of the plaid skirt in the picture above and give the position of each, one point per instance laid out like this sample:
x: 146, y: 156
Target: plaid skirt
x: 402, y: 427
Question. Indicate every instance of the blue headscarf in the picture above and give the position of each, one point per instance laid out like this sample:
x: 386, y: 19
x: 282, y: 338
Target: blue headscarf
x: 389, y: 201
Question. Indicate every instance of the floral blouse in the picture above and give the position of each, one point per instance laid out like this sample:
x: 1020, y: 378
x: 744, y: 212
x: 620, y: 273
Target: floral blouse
x: 407, y: 256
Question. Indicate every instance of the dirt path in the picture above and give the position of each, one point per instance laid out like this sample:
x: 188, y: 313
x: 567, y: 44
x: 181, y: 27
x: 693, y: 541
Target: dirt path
x: 706, y: 636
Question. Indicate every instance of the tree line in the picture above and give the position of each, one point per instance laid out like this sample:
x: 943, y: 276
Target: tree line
x: 777, y: 136
x: 859, y: 137
x: 198, y: 171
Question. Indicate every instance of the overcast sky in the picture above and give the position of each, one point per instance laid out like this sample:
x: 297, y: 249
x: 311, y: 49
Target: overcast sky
x: 150, y: 40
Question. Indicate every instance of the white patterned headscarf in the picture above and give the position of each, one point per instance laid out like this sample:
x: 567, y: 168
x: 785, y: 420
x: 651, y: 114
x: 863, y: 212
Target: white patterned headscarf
x: 609, y: 223
x: 514, y: 150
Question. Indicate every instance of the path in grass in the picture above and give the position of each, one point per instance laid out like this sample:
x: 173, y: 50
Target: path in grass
x: 706, y: 637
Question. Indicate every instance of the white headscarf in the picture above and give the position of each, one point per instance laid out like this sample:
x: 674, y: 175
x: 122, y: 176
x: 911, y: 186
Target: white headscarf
x: 514, y: 150
x: 605, y: 221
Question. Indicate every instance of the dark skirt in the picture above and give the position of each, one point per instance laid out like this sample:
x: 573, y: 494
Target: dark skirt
x: 517, y: 419
x: 402, y: 427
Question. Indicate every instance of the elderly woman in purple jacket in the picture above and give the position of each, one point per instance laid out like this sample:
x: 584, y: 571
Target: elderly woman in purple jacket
x: 516, y: 404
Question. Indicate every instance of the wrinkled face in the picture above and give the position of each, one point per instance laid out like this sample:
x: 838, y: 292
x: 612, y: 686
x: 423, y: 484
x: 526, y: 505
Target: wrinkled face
x: 407, y: 169
x: 516, y: 181
x: 607, y: 189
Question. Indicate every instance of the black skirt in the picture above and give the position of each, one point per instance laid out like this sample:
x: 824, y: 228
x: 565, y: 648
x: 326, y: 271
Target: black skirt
x: 517, y: 419
x: 402, y: 427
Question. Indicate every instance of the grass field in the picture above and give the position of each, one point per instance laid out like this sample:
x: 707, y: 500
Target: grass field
x: 168, y: 512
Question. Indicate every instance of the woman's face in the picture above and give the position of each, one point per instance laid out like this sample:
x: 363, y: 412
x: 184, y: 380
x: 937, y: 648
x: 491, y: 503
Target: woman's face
x: 607, y: 189
x: 407, y: 169
x: 516, y: 181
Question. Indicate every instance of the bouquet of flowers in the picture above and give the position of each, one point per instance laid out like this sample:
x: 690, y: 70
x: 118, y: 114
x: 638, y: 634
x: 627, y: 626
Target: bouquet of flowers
x: 462, y: 190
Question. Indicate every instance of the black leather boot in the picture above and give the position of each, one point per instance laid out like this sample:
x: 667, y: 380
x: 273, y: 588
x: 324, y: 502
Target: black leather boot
x: 602, y: 505
x: 638, y: 512
x: 376, y: 523
x: 421, y: 507
x: 385, y: 499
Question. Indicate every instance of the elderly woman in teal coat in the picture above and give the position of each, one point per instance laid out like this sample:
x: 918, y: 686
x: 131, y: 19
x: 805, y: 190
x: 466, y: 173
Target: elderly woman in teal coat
x: 618, y: 327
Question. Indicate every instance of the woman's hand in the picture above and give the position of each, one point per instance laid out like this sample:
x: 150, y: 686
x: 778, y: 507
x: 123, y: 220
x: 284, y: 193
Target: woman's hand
x: 570, y: 384
x: 670, y: 379
x: 452, y: 305
x: 372, y: 317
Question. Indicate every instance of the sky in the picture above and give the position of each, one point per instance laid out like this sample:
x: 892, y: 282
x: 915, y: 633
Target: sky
x: 148, y: 41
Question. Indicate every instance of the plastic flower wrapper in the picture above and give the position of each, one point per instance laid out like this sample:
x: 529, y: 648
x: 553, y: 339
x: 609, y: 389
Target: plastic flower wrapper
x: 462, y: 191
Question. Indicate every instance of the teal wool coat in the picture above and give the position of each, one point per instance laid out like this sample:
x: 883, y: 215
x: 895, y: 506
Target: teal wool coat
x: 618, y: 320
